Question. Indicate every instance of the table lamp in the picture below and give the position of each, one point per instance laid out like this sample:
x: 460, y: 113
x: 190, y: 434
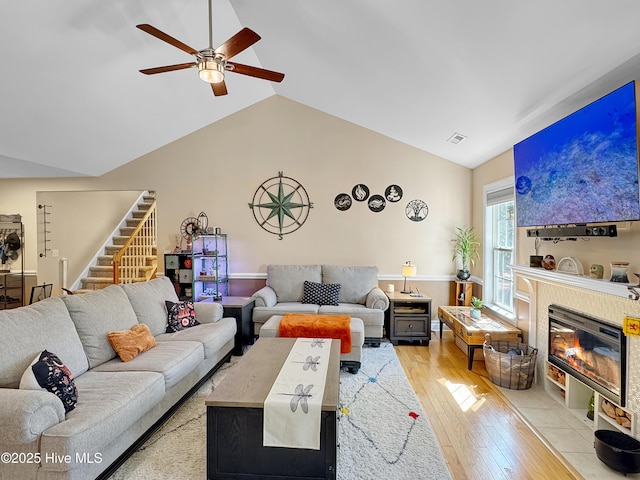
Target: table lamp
x: 408, y: 270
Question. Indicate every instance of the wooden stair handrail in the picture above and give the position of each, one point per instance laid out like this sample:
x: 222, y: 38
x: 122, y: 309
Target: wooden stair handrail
x: 148, y: 217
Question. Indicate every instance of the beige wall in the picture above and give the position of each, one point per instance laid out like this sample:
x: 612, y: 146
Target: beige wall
x: 79, y: 223
x: 492, y: 171
x: 217, y: 170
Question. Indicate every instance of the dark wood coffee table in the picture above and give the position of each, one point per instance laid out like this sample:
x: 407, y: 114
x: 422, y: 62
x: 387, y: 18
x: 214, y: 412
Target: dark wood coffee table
x: 235, y: 421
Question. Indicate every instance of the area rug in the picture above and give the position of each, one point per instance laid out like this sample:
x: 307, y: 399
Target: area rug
x: 383, y: 432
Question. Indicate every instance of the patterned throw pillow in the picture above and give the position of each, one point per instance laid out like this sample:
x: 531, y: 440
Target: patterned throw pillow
x: 320, y: 293
x: 49, y: 373
x: 181, y: 315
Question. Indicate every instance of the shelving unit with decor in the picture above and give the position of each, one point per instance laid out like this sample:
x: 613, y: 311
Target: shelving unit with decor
x: 463, y: 293
x: 178, y: 267
x: 11, y: 273
x: 575, y: 396
x: 210, y: 267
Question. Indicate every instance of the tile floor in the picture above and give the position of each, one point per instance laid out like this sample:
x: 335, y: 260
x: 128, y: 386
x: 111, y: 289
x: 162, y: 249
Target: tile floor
x: 570, y: 435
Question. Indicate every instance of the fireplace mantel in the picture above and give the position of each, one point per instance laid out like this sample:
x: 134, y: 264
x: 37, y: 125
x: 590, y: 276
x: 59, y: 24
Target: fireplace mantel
x: 579, y: 281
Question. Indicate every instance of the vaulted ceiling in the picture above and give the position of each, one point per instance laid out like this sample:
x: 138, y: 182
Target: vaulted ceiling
x: 72, y: 100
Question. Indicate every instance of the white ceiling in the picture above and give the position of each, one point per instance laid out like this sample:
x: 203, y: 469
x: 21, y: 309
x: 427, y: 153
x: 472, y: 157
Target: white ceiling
x: 72, y: 100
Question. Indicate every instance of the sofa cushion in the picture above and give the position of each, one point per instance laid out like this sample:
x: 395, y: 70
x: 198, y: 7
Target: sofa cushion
x: 213, y: 336
x: 97, y: 313
x: 128, y: 344
x: 49, y: 373
x: 27, y: 331
x: 147, y: 300
x: 262, y: 314
x: 174, y: 360
x: 356, y: 282
x: 109, y: 404
x: 320, y: 293
x: 180, y: 315
x: 287, y: 280
x: 373, y: 319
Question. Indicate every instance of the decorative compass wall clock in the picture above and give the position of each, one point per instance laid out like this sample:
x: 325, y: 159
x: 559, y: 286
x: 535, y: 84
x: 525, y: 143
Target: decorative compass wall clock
x: 281, y: 205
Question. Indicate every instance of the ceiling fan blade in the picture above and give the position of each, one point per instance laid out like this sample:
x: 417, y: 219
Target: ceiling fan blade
x: 255, y: 72
x: 219, y: 88
x: 145, y: 27
x: 168, y: 68
x: 239, y: 42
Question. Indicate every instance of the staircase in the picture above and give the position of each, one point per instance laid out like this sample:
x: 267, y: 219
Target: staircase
x: 134, y: 251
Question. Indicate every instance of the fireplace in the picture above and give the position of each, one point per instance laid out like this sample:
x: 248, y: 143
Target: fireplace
x: 589, y: 349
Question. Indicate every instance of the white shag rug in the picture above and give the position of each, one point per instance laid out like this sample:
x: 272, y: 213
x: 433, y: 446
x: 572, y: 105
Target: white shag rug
x: 383, y: 432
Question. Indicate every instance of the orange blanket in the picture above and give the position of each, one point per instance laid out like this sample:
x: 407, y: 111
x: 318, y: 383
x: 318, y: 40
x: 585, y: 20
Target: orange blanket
x: 309, y: 325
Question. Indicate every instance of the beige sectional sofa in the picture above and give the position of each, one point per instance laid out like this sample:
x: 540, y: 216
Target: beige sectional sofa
x: 359, y: 295
x: 118, y: 403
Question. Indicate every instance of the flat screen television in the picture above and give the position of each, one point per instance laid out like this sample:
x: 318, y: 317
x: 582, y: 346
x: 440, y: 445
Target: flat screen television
x: 583, y: 168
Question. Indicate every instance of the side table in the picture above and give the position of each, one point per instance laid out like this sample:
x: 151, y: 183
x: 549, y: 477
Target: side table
x: 240, y: 308
x: 409, y: 317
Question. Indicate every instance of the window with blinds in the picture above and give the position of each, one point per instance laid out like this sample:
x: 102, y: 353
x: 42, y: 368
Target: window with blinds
x: 500, y: 229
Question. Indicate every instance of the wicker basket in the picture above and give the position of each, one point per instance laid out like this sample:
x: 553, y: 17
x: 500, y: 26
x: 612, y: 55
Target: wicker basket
x: 509, y: 364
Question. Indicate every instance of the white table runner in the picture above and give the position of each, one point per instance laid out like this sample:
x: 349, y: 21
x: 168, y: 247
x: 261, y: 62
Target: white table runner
x: 292, y: 410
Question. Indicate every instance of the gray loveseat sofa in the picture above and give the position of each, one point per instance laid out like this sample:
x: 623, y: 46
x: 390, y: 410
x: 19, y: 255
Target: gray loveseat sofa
x: 359, y: 295
x: 118, y: 403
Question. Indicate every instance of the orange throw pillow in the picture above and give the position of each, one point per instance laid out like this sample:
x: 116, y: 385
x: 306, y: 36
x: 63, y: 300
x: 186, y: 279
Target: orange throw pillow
x: 128, y: 344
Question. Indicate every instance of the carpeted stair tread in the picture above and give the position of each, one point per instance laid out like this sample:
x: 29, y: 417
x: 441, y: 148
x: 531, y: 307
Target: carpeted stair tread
x: 105, y: 260
x: 101, y: 271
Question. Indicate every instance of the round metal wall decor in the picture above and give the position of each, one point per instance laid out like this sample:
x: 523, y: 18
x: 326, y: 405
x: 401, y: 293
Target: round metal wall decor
x: 281, y: 205
x: 360, y: 192
x: 416, y: 210
x: 393, y: 193
x: 376, y: 203
x: 342, y: 202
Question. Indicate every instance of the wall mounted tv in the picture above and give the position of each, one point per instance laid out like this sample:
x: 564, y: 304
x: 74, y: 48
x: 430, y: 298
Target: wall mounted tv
x: 583, y: 168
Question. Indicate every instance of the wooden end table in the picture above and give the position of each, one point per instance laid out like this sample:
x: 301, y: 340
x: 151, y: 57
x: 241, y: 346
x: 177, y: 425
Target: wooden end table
x: 471, y: 332
x: 409, y: 318
x: 240, y: 308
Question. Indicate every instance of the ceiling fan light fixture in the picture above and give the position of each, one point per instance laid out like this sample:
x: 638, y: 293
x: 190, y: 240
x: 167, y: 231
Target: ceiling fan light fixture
x: 211, y: 71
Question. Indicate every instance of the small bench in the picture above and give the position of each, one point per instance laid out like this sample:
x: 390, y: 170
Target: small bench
x: 351, y: 361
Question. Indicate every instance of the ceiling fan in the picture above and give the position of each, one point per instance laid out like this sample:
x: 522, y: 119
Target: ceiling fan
x: 212, y: 62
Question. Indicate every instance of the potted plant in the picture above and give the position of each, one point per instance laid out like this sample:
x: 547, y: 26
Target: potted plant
x: 476, y: 307
x: 466, y: 247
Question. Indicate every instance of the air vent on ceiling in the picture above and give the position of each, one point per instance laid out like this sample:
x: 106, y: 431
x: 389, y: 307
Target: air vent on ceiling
x: 456, y: 138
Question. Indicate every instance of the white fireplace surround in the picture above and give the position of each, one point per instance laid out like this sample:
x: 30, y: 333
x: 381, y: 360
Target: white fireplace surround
x: 538, y: 288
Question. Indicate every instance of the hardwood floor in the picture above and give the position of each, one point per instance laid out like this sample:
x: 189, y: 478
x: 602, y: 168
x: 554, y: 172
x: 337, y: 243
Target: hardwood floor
x: 481, y: 434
